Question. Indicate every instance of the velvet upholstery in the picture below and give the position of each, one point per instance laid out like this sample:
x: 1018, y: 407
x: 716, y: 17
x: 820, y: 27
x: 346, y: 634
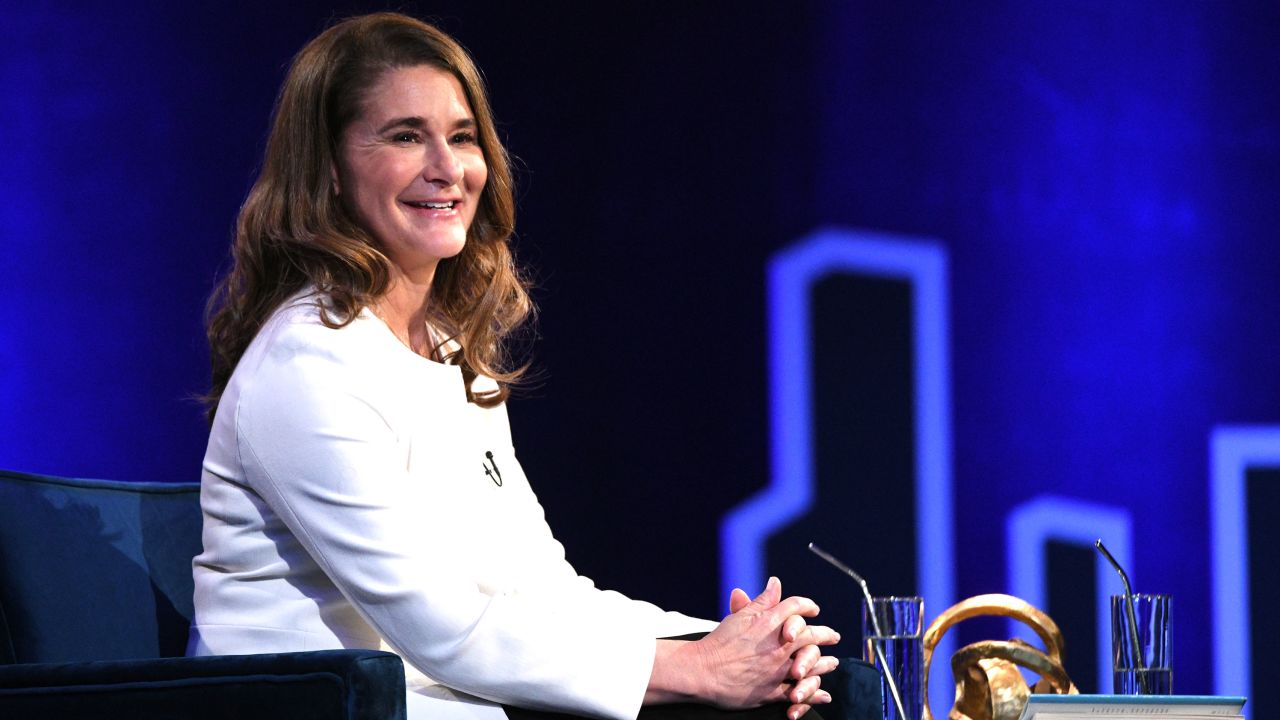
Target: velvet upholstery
x: 95, y: 569
x: 320, y: 685
x: 856, y: 692
x: 95, y: 603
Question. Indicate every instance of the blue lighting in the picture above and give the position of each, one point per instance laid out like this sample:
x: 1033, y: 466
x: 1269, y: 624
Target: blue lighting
x: 1233, y: 451
x: 791, y: 274
x: 1032, y: 524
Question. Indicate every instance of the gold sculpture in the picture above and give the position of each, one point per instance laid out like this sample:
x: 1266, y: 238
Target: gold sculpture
x: 989, y: 685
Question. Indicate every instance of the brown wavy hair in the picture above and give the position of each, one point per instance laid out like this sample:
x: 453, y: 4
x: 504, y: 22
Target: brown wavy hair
x: 292, y: 231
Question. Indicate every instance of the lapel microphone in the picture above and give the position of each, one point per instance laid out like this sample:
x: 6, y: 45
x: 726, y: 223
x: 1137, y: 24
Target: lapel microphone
x: 495, y: 474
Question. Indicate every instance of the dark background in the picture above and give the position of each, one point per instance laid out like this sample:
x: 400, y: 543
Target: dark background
x: 1103, y: 177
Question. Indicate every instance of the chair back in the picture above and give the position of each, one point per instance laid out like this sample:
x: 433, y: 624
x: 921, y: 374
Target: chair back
x: 95, y: 569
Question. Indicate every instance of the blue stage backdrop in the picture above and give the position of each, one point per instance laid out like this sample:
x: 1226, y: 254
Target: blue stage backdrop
x: 950, y: 291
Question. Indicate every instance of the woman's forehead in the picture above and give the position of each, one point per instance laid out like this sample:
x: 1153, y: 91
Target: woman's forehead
x: 416, y: 91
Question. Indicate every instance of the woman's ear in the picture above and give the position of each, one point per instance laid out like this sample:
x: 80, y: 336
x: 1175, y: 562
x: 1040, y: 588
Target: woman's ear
x: 333, y: 175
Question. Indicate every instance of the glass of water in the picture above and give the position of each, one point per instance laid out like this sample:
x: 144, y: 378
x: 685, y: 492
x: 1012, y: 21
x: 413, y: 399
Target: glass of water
x: 897, y: 650
x: 1140, y: 646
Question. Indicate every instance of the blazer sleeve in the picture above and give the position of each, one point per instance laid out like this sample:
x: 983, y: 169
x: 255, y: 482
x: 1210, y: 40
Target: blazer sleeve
x: 325, y: 459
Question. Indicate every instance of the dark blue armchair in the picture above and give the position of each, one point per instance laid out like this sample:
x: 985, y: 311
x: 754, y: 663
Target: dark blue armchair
x: 95, y: 602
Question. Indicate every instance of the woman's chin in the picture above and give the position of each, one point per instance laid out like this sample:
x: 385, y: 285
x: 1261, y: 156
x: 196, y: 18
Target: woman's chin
x: 454, y: 248
x: 437, y: 246
x: 447, y: 242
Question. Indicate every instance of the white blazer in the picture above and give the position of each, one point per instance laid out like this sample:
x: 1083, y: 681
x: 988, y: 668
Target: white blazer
x: 351, y: 494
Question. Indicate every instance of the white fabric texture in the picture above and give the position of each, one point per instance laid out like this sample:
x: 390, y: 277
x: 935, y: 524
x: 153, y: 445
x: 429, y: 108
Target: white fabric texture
x: 349, y: 497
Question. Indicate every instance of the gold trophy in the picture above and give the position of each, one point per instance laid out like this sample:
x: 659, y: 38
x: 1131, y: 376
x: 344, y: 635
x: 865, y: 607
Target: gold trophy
x: 989, y: 685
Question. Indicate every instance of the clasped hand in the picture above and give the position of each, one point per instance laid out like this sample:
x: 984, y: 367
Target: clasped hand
x: 765, y: 652
x: 762, y: 652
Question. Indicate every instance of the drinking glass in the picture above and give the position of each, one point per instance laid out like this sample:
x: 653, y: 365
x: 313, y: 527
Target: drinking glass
x: 1140, y: 647
x: 897, y: 650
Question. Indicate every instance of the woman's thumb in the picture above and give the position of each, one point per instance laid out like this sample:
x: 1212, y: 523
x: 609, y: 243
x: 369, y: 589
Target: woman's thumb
x: 772, y: 593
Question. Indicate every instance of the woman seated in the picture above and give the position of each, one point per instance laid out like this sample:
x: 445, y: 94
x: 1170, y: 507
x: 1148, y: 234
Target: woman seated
x: 360, y: 488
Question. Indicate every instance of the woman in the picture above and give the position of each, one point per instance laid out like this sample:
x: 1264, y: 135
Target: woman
x: 360, y: 488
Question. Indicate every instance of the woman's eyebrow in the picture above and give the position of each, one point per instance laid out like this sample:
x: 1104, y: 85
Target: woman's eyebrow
x: 418, y: 122
x: 412, y: 122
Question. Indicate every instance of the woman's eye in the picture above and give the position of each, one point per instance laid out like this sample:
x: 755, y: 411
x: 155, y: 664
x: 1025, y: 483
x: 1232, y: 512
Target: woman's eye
x: 406, y: 137
x: 463, y: 138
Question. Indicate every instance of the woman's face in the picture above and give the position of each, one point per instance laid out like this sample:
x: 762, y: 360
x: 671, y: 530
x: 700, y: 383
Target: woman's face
x: 410, y: 169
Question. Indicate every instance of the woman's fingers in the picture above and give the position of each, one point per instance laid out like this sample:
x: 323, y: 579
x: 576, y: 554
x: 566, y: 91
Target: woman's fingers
x: 804, y: 695
x: 825, y: 664
x: 796, y: 630
x: 815, y: 635
x: 804, y: 660
x: 798, y: 710
x: 792, y: 627
x: 805, y: 689
x: 796, y: 605
x: 809, y: 660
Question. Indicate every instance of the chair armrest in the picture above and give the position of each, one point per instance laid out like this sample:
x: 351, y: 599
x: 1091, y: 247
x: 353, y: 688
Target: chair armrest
x: 856, y: 692
x: 318, y: 685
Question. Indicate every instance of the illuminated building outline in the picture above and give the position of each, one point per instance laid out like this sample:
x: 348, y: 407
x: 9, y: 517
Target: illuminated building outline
x: 1030, y: 525
x: 791, y: 274
x: 1233, y: 450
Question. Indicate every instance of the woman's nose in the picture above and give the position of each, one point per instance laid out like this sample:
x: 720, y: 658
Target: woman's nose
x: 442, y: 165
